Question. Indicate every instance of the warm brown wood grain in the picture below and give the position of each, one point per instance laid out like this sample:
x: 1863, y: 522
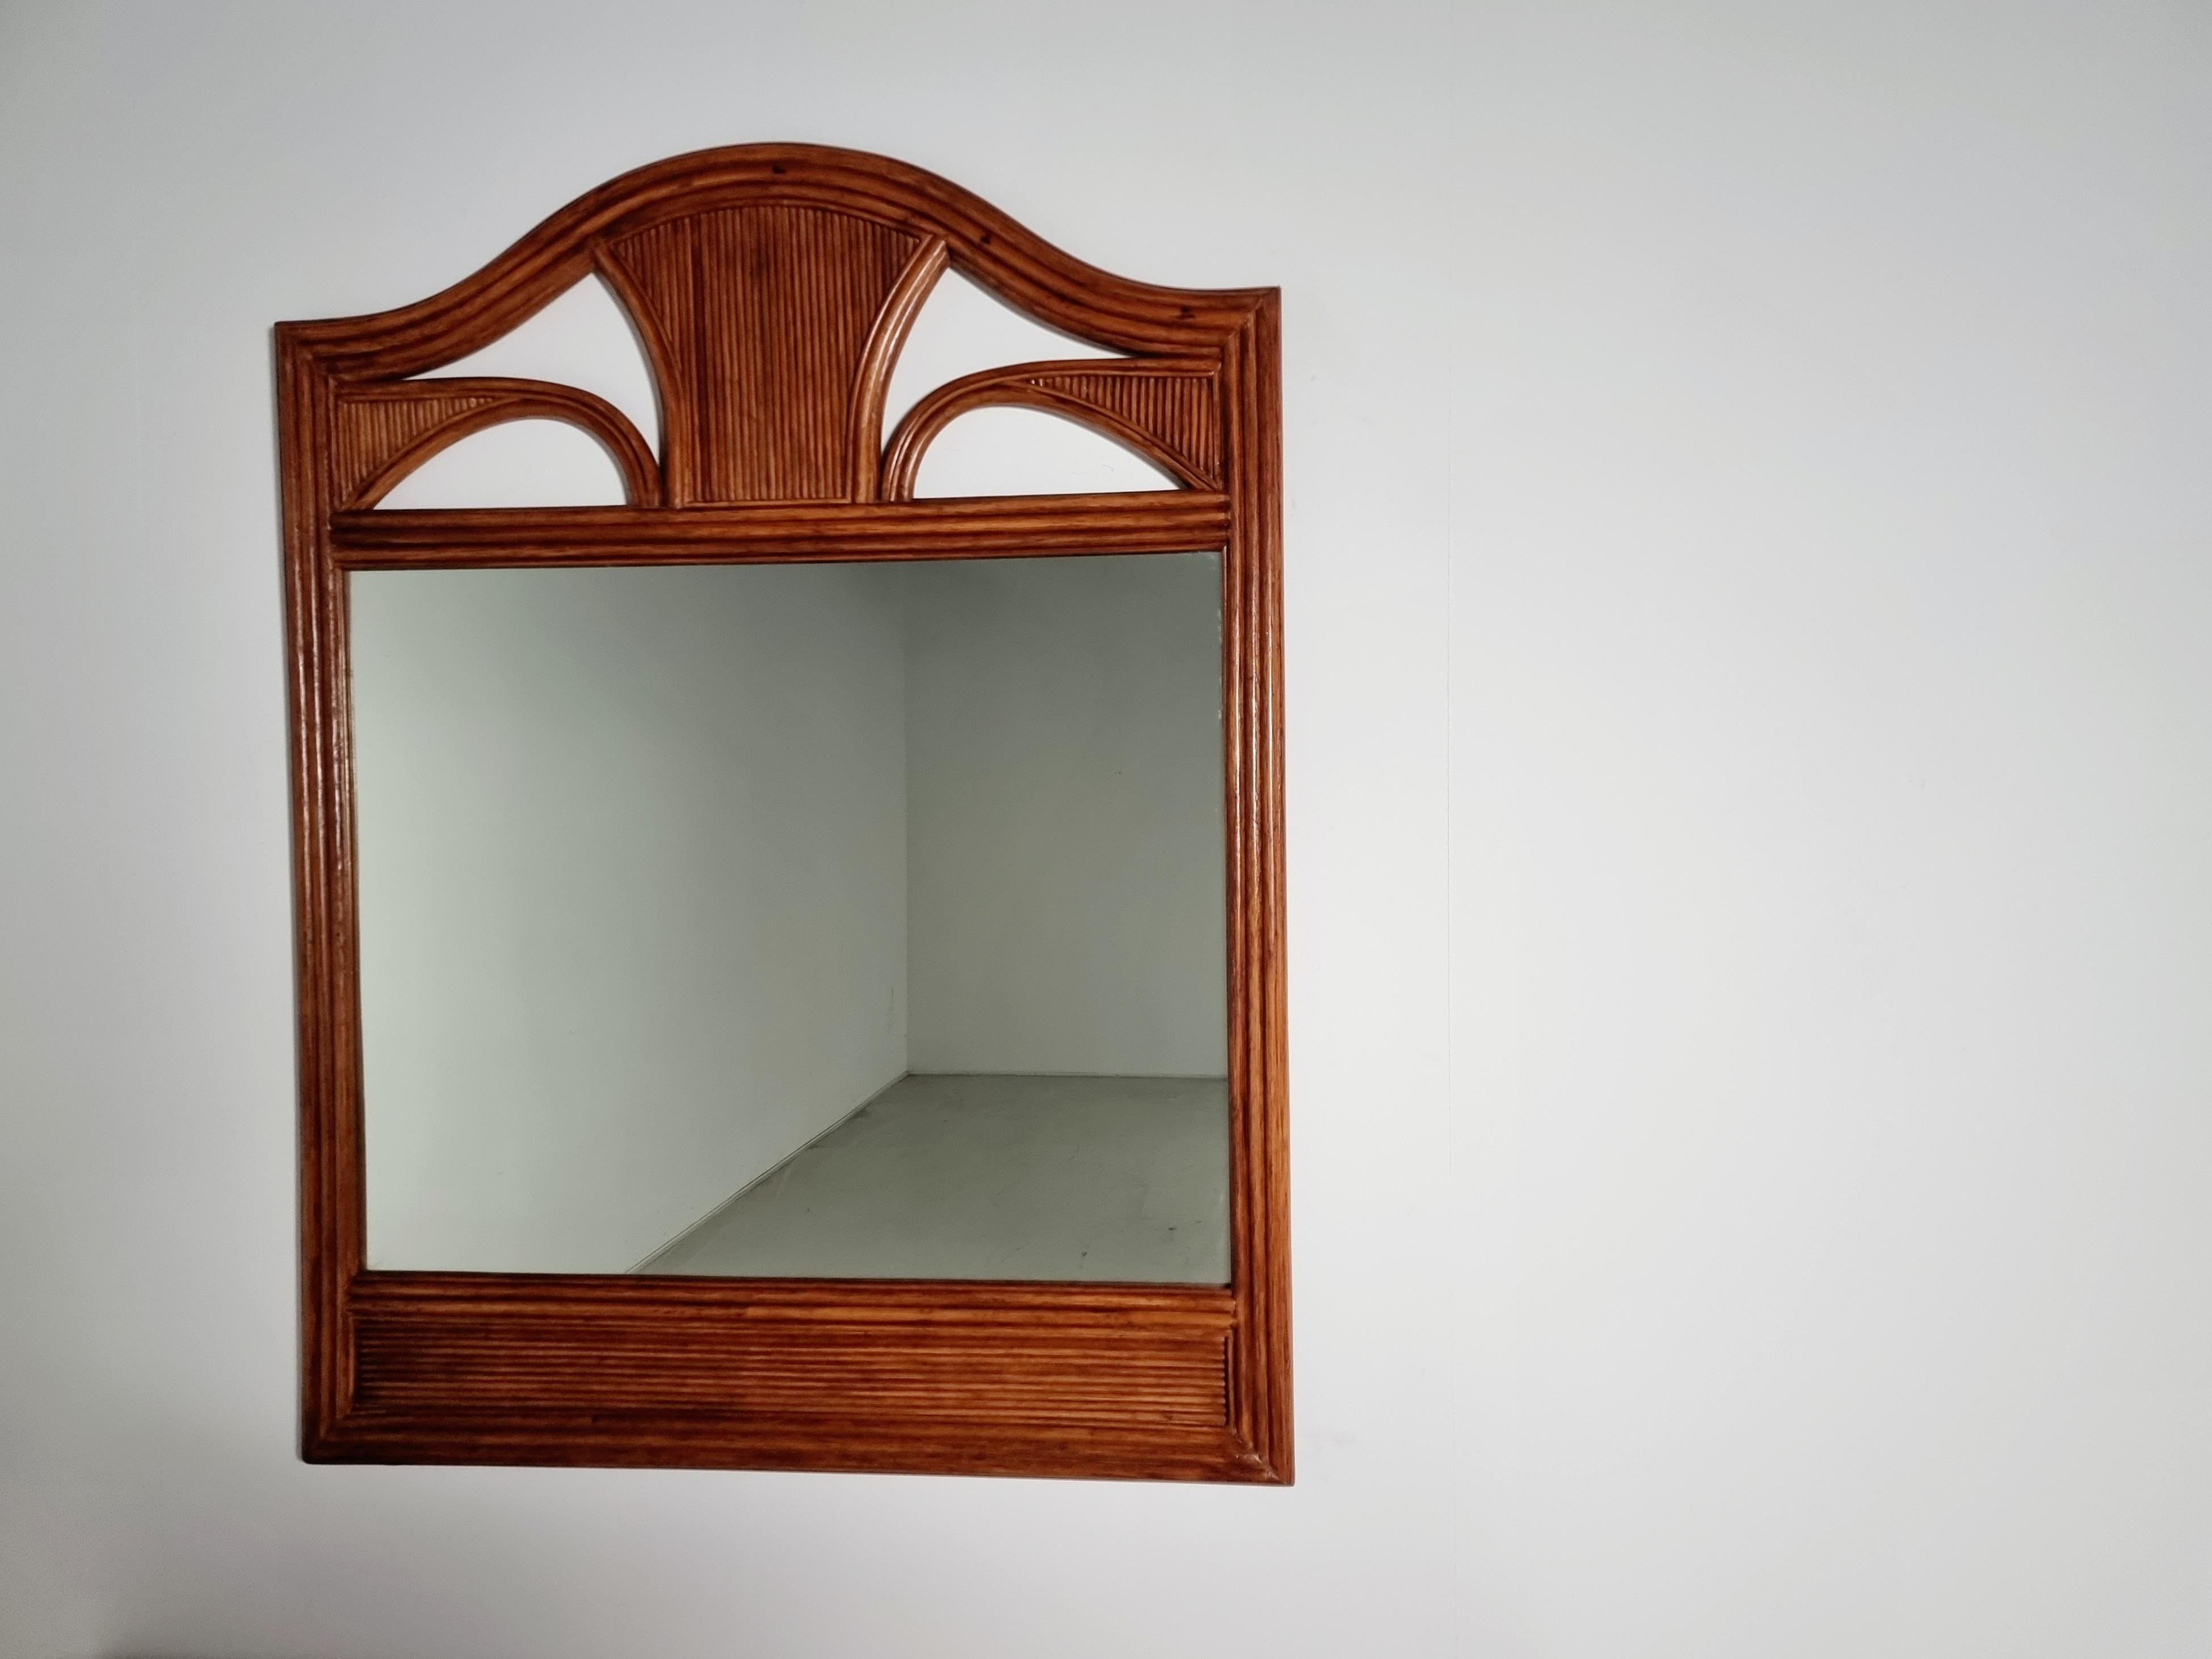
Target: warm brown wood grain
x: 384, y: 431
x: 1132, y: 521
x: 1258, y: 1063
x: 773, y: 286
x: 1167, y: 411
x: 756, y: 317
x: 736, y: 1348
x: 880, y: 357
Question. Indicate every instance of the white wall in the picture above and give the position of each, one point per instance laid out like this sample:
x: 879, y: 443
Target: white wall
x: 1749, y: 784
x: 633, y: 879
x: 1065, y: 899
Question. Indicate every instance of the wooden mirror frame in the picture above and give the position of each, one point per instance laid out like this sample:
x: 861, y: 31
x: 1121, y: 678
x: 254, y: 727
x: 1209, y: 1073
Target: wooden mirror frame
x: 771, y: 393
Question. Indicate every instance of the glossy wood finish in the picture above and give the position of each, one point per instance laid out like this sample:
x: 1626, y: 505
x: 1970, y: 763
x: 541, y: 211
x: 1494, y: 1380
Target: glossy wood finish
x: 757, y: 320
x: 1003, y: 527
x: 1168, y: 411
x: 772, y: 286
x: 382, y: 432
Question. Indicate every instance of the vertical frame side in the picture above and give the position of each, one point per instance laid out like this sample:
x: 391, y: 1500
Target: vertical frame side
x: 329, y: 1168
x: 1260, y: 1197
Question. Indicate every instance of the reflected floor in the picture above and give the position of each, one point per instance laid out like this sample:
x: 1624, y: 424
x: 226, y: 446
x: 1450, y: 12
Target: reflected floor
x: 1098, y: 1178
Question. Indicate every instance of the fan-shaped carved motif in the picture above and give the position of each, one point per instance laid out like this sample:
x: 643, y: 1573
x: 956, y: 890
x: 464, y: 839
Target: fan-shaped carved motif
x: 381, y: 433
x: 1177, y: 410
x: 1167, y: 410
x: 758, y: 319
x: 371, y: 431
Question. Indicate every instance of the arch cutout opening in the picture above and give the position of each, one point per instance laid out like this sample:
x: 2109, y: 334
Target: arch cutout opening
x: 525, y: 463
x: 584, y: 338
x: 962, y: 328
x: 1005, y: 449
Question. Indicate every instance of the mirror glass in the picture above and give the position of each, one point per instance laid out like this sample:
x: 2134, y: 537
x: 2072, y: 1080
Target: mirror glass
x: 849, y: 921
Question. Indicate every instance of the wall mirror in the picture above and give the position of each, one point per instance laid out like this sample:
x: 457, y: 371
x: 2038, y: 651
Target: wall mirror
x: 790, y: 916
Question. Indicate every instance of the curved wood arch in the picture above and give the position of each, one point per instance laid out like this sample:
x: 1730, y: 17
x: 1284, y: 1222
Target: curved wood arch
x: 771, y: 288
x: 982, y: 243
x: 1046, y: 386
x: 880, y: 357
x: 461, y: 407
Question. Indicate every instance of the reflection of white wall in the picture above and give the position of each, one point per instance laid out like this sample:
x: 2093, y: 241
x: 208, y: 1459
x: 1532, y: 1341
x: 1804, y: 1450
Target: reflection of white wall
x: 647, y: 858
x: 628, y: 937
x: 1064, y: 811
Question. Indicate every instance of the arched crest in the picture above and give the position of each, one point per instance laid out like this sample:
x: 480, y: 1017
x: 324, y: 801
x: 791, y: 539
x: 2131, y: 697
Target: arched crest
x: 771, y: 287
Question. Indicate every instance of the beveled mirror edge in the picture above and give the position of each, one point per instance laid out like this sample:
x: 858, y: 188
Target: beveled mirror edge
x: 1142, y: 1382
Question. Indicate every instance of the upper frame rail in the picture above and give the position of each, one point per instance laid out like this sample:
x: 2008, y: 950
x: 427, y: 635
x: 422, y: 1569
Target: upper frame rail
x: 1134, y: 522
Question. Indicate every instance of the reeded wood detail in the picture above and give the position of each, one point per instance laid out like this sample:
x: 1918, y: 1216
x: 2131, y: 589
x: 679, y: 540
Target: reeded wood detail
x: 708, y: 1349
x: 757, y: 320
x: 1167, y: 411
x: 991, y: 526
x: 383, y: 432
x: 773, y: 286
x: 893, y: 324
